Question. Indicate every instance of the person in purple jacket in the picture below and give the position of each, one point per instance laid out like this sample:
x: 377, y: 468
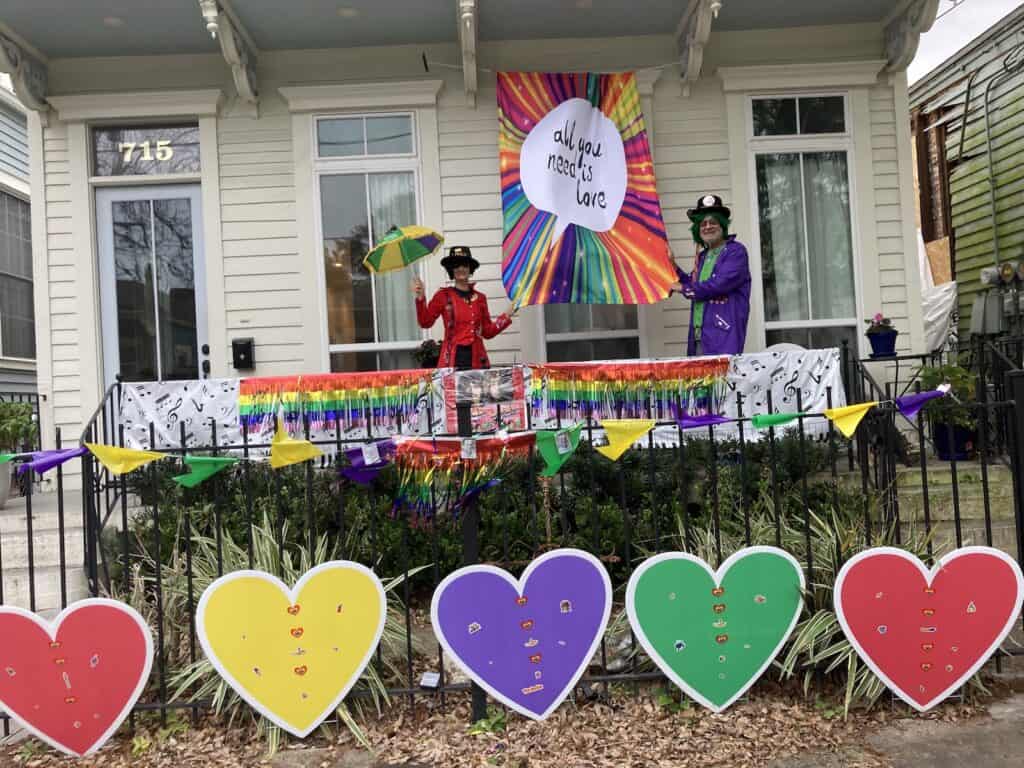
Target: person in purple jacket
x: 719, y: 286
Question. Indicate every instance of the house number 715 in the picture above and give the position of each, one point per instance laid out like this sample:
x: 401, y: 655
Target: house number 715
x: 164, y: 150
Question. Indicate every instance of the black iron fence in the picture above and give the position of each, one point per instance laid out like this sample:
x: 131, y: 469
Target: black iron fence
x: 806, y: 489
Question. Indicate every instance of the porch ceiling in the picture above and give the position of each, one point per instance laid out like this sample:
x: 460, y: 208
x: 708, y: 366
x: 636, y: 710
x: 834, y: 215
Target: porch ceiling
x: 60, y: 29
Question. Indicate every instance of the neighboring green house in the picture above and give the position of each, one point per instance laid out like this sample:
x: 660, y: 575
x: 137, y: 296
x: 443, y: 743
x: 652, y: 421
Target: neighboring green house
x: 968, y: 126
x: 17, y: 318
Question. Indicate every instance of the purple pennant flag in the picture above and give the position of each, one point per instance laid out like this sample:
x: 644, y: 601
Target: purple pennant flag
x: 371, y: 454
x: 43, y: 461
x: 367, y: 460
x: 909, y: 405
x: 686, y: 421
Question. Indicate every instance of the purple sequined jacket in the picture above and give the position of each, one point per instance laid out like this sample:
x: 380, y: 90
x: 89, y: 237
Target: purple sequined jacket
x: 727, y: 297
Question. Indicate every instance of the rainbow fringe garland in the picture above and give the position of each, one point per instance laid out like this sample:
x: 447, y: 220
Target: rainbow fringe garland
x: 422, y: 463
x: 657, y: 390
x: 385, y: 396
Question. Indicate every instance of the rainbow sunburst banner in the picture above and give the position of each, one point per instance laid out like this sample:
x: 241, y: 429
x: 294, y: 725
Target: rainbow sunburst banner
x: 582, y: 220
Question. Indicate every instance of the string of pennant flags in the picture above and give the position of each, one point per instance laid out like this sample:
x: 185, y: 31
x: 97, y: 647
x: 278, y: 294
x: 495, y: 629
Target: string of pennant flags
x: 468, y: 466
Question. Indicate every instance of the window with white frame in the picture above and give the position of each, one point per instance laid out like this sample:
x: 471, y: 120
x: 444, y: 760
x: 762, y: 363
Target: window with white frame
x: 578, y: 332
x: 17, y: 321
x: 367, y: 170
x: 801, y: 148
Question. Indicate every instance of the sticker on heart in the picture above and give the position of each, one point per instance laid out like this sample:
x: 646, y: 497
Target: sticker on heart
x: 713, y: 633
x: 72, y: 682
x: 293, y: 654
x: 925, y: 632
x: 527, y: 641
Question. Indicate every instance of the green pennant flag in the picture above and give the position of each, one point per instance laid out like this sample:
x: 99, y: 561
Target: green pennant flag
x: 765, y: 420
x: 5, y: 457
x: 203, y: 468
x: 556, y: 446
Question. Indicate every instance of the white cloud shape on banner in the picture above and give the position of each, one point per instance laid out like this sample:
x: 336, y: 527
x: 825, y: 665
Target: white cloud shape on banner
x: 573, y: 165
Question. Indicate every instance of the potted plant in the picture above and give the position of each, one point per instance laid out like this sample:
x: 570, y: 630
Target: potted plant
x: 427, y: 354
x: 17, y: 431
x: 882, y: 336
x: 953, y: 422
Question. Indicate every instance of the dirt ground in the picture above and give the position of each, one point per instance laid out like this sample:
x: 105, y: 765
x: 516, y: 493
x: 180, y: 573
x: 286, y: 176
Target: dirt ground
x: 773, y: 727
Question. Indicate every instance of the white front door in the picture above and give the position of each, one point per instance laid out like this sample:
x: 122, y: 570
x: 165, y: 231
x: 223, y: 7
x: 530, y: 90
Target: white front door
x: 152, y: 287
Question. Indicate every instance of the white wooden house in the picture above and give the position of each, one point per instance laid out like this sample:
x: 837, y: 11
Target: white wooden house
x: 192, y: 190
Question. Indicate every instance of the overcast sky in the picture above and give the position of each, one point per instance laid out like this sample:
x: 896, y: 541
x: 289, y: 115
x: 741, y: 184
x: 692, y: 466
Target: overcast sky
x: 956, y: 29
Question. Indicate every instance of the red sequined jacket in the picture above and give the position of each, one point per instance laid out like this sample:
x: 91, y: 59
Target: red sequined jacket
x: 466, y: 323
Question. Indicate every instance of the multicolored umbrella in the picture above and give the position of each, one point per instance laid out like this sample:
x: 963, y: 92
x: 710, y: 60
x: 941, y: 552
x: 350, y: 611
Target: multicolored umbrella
x: 402, y: 246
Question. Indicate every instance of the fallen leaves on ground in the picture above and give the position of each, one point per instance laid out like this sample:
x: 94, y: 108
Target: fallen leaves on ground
x: 652, y: 728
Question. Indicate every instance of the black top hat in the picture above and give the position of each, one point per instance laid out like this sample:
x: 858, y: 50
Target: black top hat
x: 458, y: 256
x: 708, y: 204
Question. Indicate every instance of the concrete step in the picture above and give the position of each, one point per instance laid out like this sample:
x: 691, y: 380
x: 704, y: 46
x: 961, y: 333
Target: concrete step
x: 968, y: 475
x: 14, y: 572
x: 45, y: 548
x: 47, y: 586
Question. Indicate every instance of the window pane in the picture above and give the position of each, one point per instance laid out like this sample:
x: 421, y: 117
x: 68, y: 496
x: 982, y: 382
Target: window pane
x: 774, y: 117
x: 393, y: 360
x: 346, y: 241
x: 393, y: 204
x: 133, y: 270
x: 781, y: 215
x: 822, y: 114
x: 15, y: 237
x: 580, y: 318
x: 340, y: 138
x: 389, y: 135
x: 828, y: 235
x: 595, y: 349
x: 143, y: 150
x: 814, y: 338
x: 176, y: 292
x: 17, y: 324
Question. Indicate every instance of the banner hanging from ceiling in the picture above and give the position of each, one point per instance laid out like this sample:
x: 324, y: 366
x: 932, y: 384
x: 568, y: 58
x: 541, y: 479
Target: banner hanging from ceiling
x: 582, y: 219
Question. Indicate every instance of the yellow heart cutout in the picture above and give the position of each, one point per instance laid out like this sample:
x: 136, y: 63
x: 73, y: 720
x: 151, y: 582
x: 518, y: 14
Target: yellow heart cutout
x: 293, y: 654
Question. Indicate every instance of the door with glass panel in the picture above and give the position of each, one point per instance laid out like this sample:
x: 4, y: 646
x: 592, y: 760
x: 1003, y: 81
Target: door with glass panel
x: 152, y: 291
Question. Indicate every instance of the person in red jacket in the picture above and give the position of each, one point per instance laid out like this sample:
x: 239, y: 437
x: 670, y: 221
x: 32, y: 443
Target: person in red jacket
x: 467, y: 321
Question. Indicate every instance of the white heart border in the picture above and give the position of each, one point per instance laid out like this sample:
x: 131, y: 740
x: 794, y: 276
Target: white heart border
x: 291, y: 594
x: 716, y: 576
x: 52, y: 628
x: 518, y: 585
x: 929, y: 576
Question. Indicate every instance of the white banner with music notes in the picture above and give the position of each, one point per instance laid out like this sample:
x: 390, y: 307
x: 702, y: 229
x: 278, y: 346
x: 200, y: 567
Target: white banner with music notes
x: 816, y: 374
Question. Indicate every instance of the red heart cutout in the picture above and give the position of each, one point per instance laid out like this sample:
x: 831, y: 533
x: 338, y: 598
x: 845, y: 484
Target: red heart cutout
x: 72, y: 682
x: 924, y: 633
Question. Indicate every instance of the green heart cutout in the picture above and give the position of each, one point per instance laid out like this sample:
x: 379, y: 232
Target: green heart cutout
x: 715, y: 655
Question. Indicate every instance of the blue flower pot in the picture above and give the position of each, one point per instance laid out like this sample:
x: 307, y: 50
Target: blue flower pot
x: 958, y: 442
x: 883, y: 344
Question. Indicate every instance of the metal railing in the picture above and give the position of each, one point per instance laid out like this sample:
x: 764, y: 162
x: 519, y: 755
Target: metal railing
x: 703, y: 495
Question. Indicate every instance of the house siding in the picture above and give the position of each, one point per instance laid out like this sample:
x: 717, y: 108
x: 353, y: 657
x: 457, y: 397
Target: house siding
x: 888, y: 214
x: 942, y: 97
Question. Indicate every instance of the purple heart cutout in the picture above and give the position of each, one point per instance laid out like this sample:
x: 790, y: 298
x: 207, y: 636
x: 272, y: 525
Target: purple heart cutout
x: 527, y: 641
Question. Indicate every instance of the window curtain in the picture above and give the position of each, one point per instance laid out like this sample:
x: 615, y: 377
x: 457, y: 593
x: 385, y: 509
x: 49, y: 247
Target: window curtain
x: 781, y: 214
x: 393, y: 203
x: 829, y: 237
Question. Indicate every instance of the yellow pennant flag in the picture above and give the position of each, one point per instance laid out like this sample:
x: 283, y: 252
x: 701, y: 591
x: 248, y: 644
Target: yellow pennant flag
x: 285, y: 450
x: 848, y: 417
x: 120, y: 460
x: 621, y: 434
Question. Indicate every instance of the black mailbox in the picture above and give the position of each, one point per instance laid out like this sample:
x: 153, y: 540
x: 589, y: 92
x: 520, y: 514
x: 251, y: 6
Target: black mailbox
x: 242, y: 354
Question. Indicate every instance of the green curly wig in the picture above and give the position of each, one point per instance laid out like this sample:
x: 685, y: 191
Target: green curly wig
x: 723, y: 222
